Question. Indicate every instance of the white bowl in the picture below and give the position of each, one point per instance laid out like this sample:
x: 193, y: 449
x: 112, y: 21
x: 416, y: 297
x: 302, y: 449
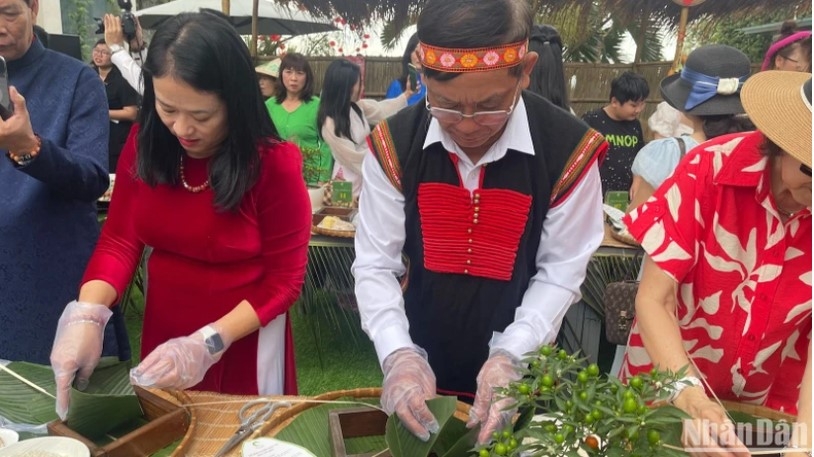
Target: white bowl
x: 56, y: 445
x: 8, y: 437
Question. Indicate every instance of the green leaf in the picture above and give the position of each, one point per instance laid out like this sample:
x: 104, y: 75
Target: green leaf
x: 23, y: 404
x: 108, y: 402
x: 466, y: 443
x: 403, y: 443
x: 311, y: 430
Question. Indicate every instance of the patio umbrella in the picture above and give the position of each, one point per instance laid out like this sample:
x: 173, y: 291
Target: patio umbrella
x: 272, y: 19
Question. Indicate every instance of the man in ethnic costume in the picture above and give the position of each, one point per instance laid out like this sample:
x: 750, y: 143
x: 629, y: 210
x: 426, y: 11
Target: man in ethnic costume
x: 493, y: 195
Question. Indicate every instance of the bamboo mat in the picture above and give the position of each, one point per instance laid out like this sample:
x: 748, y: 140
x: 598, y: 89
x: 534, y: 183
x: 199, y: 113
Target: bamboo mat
x: 213, y: 420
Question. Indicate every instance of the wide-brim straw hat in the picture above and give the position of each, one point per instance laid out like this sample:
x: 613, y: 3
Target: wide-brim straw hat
x: 779, y: 104
x: 715, y: 60
x: 271, y: 68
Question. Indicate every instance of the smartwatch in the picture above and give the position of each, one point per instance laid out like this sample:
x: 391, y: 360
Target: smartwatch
x: 114, y: 48
x: 212, y: 339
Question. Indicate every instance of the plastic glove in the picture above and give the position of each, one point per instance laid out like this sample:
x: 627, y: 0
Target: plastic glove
x: 179, y: 363
x: 710, y: 430
x: 408, y: 383
x: 77, y: 348
x: 498, y: 371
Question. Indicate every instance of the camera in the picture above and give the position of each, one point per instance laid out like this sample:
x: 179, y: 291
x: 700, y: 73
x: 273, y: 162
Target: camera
x: 127, y: 17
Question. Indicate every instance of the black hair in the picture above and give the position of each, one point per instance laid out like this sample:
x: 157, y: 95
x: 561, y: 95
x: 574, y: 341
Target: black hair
x: 715, y: 126
x: 787, y: 29
x: 335, y: 99
x: 100, y: 41
x: 204, y: 51
x: 473, y: 24
x: 769, y: 148
x: 407, y: 59
x: 548, y: 75
x: 629, y: 86
x: 297, y: 62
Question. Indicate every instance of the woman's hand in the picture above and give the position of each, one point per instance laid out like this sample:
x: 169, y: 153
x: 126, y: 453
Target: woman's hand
x: 710, y: 432
x: 77, y: 348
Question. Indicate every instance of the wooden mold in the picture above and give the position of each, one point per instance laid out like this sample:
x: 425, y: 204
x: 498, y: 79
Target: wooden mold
x: 166, y: 422
x: 349, y: 423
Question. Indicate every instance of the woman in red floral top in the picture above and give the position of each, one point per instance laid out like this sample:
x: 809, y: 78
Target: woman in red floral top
x: 726, y: 291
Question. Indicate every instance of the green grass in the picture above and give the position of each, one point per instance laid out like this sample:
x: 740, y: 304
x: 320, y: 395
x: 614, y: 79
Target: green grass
x: 330, y: 354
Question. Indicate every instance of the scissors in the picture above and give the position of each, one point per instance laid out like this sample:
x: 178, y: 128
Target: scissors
x: 251, y: 421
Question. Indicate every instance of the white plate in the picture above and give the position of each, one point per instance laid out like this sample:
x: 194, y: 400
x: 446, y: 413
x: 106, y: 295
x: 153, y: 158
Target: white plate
x: 8, y: 437
x: 56, y: 445
x: 270, y: 447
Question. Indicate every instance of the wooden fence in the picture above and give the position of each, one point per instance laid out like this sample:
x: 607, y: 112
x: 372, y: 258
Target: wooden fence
x: 589, y: 82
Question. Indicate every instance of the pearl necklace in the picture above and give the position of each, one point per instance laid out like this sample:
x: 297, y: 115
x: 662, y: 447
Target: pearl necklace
x: 193, y: 189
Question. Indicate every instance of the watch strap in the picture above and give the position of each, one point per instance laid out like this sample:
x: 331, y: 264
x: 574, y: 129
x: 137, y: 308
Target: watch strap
x: 213, y: 340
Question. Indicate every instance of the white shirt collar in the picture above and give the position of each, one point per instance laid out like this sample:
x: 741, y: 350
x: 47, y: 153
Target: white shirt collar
x: 516, y: 136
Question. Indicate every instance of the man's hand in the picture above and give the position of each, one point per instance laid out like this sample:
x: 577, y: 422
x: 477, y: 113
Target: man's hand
x: 16, y: 133
x: 498, y: 371
x: 408, y: 383
x: 113, y: 30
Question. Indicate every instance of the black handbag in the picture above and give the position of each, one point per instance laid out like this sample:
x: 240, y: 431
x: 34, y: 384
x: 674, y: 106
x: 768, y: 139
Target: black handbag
x: 620, y: 309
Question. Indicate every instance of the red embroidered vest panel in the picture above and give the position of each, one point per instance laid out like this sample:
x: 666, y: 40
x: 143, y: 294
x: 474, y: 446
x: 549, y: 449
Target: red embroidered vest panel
x: 475, y: 234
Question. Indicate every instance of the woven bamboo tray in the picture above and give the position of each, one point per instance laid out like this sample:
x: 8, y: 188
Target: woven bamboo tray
x: 281, y: 420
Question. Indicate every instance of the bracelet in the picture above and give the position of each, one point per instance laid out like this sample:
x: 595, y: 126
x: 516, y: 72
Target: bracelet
x: 681, y: 384
x: 22, y: 159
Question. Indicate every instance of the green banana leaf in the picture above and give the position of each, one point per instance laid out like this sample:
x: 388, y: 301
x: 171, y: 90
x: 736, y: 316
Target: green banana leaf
x: 22, y: 404
x: 310, y: 429
x: 452, y: 436
x: 108, y: 402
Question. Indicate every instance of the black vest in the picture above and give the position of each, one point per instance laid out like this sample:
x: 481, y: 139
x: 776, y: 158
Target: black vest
x: 471, y: 258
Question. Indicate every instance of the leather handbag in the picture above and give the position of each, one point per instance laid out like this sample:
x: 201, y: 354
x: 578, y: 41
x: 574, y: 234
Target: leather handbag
x: 620, y: 309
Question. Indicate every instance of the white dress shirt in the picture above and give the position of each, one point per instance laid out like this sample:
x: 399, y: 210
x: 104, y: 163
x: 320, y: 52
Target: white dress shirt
x: 572, y: 231
x: 129, y: 68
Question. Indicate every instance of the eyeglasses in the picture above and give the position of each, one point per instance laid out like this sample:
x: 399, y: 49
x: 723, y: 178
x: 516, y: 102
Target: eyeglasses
x: 102, y: 52
x: 806, y: 170
x: 482, y: 118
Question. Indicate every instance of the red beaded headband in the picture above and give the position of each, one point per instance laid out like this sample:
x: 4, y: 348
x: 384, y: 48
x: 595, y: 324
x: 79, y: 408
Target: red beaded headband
x: 460, y: 60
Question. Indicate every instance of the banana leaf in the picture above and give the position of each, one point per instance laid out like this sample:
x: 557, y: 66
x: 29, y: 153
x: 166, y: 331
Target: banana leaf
x: 403, y: 443
x: 108, y: 402
x: 311, y: 430
x: 22, y: 404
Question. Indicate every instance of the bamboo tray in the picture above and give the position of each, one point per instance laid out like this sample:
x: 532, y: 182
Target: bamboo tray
x: 345, y: 214
x: 281, y: 420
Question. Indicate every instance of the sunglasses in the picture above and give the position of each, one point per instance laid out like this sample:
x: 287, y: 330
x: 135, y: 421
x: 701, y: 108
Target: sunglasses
x: 806, y: 170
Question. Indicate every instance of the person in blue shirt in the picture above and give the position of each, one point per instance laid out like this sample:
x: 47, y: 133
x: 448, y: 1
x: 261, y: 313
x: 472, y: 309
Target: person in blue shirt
x: 53, y: 168
x: 399, y: 85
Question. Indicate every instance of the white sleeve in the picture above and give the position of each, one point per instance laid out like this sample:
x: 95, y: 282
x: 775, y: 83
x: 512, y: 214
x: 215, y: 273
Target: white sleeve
x: 572, y: 232
x: 377, y: 111
x: 130, y: 69
x: 380, y: 236
x: 343, y: 149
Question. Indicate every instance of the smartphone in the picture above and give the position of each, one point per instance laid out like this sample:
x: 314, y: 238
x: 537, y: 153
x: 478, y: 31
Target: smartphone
x: 6, y: 108
x: 412, y: 77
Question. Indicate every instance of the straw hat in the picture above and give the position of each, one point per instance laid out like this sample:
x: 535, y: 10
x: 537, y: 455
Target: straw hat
x: 716, y: 63
x: 271, y: 68
x: 779, y: 103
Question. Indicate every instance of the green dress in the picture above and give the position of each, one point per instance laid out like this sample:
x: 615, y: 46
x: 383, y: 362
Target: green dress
x: 300, y: 127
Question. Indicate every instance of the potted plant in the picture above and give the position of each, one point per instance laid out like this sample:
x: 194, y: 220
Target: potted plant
x: 311, y: 169
x: 569, y: 409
